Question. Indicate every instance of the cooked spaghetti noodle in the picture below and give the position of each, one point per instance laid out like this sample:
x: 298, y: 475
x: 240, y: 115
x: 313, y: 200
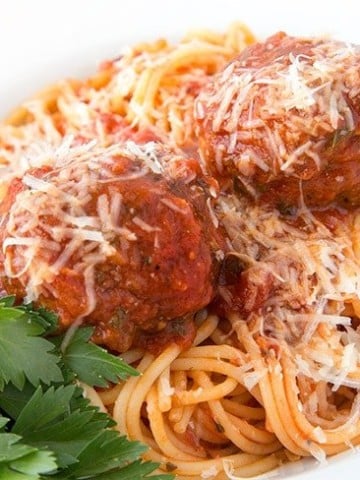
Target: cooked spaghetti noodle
x: 258, y: 387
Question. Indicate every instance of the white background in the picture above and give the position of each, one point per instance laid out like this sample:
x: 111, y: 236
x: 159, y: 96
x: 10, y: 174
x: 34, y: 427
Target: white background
x: 42, y: 41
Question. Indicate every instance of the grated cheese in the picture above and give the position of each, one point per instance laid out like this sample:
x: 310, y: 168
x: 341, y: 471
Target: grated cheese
x: 35, y: 251
x: 145, y: 226
x: 310, y: 268
x: 251, y: 379
x: 183, y: 210
x: 288, y: 101
x: 319, y: 434
x: 166, y: 389
x: 229, y: 470
x: 210, y: 472
x: 317, y: 452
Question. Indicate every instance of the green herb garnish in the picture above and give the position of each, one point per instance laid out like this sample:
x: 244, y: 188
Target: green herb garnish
x: 47, y: 428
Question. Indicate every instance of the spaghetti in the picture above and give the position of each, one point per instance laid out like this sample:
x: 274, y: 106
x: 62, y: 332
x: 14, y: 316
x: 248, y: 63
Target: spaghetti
x: 263, y: 382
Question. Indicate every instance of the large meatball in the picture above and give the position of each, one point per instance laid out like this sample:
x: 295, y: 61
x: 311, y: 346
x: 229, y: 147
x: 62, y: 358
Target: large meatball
x: 119, y: 237
x: 283, y: 118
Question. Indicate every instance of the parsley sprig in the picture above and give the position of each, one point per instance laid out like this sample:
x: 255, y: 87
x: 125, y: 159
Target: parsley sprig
x: 48, y: 429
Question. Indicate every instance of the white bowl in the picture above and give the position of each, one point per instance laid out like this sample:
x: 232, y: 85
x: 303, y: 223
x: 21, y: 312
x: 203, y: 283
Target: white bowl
x: 42, y: 41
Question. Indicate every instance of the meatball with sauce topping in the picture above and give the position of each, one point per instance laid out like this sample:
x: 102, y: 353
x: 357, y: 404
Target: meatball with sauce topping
x: 119, y: 237
x: 283, y: 118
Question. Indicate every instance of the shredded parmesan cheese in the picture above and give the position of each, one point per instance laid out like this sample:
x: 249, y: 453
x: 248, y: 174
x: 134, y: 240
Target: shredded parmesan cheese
x: 210, y: 472
x: 48, y: 227
x: 287, y: 101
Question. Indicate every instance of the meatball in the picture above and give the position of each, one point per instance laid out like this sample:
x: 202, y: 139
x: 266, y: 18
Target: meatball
x: 117, y: 236
x: 283, y: 118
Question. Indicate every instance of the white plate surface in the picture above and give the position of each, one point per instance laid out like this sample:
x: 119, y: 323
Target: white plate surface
x: 42, y: 41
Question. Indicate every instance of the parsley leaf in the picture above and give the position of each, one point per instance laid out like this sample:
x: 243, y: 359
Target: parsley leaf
x: 48, y: 320
x: 28, y: 356
x: 11, y: 449
x: 42, y: 409
x: 84, y: 445
x: 92, y: 364
x: 135, y: 471
x: 47, y: 427
x: 21, y: 461
x: 7, y: 301
x: 53, y: 419
x: 35, y: 463
x: 3, y: 422
x: 106, y: 452
x: 13, y: 400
